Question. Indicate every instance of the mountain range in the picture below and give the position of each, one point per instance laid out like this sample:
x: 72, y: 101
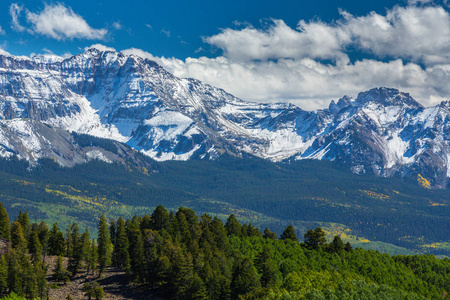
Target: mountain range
x: 45, y: 101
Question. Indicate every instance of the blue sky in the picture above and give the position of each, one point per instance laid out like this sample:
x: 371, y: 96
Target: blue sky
x: 304, y: 52
x: 169, y: 28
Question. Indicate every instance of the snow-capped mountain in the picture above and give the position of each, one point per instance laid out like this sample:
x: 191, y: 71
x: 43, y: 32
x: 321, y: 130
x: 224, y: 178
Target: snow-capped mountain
x: 135, y: 101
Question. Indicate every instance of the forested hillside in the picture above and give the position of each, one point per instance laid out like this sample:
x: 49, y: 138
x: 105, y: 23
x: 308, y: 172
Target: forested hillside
x: 393, y: 215
x: 180, y: 255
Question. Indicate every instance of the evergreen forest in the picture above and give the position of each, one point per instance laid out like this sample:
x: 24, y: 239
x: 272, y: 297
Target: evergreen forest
x: 393, y: 215
x: 181, y: 255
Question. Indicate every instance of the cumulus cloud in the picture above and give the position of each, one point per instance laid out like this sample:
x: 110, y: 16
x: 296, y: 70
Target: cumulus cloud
x: 311, y: 84
x: 421, y: 34
x: 309, y: 65
x: 15, y: 11
x: 313, y: 39
x: 58, y: 22
x: 100, y: 47
x: 415, y: 2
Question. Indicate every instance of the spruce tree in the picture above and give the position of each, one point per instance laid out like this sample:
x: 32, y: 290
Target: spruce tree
x: 29, y: 278
x: 85, y: 247
x: 34, y: 246
x: 15, y: 278
x: 269, y: 234
x: 289, y: 234
x: 44, y: 235
x: 112, y: 232
x: 136, y: 250
x: 160, y: 218
x: 233, y: 226
x: 41, y: 282
x: 315, y: 238
x: 121, y: 254
x: 56, y: 243
x: 5, y: 226
x: 76, y: 251
x: 337, y: 246
x: 3, y: 275
x: 25, y: 223
x: 93, y: 257
x: 266, y: 268
x: 59, y: 272
x: 18, y: 240
x: 244, y: 278
x: 104, y: 245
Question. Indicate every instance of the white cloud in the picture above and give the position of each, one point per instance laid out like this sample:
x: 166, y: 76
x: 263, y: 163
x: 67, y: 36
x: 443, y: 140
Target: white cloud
x: 314, y: 39
x: 281, y: 63
x: 117, y: 25
x: 2, y: 32
x: 165, y: 32
x: 421, y: 34
x: 15, y: 11
x: 140, y: 53
x: 60, y: 22
x: 308, y: 83
x: 100, y: 47
x: 416, y: 2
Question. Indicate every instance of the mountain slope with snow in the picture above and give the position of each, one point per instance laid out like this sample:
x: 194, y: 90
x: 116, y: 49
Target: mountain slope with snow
x: 134, y: 100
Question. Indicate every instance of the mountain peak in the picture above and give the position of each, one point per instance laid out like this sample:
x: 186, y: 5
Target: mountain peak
x: 343, y: 102
x: 387, y: 97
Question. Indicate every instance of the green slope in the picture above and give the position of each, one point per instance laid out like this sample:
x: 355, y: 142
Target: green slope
x: 391, y: 215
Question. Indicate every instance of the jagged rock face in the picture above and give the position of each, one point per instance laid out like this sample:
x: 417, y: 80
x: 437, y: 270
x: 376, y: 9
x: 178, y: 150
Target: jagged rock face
x: 134, y: 100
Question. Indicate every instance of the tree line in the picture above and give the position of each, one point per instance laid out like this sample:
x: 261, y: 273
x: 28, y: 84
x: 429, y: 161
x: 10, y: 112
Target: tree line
x: 184, y: 256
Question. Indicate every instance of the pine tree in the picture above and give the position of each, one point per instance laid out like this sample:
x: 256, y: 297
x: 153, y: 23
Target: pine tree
x: 160, y: 218
x: 29, y: 278
x: 104, y: 245
x: 35, y: 247
x: 220, y: 235
x: 244, y: 278
x: 5, y: 226
x: 41, y: 282
x: 121, y: 254
x: 348, y: 247
x: 76, y: 251
x: 85, y: 247
x: 59, y: 272
x: 18, y: 240
x: 112, y: 232
x: 266, y: 268
x: 44, y: 236
x: 337, y: 246
x: 269, y: 234
x: 233, y: 226
x: 146, y: 222
x: 93, y: 257
x: 289, y: 234
x: 15, y: 278
x: 315, y: 238
x: 3, y: 275
x: 25, y: 223
x: 136, y: 251
x: 56, y: 242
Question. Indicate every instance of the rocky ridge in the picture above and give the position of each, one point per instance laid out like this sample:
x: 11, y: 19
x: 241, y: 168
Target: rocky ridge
x: 135, y: 101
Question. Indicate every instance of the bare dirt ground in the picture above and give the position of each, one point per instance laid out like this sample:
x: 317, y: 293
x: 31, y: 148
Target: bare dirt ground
x: 113, y: 281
